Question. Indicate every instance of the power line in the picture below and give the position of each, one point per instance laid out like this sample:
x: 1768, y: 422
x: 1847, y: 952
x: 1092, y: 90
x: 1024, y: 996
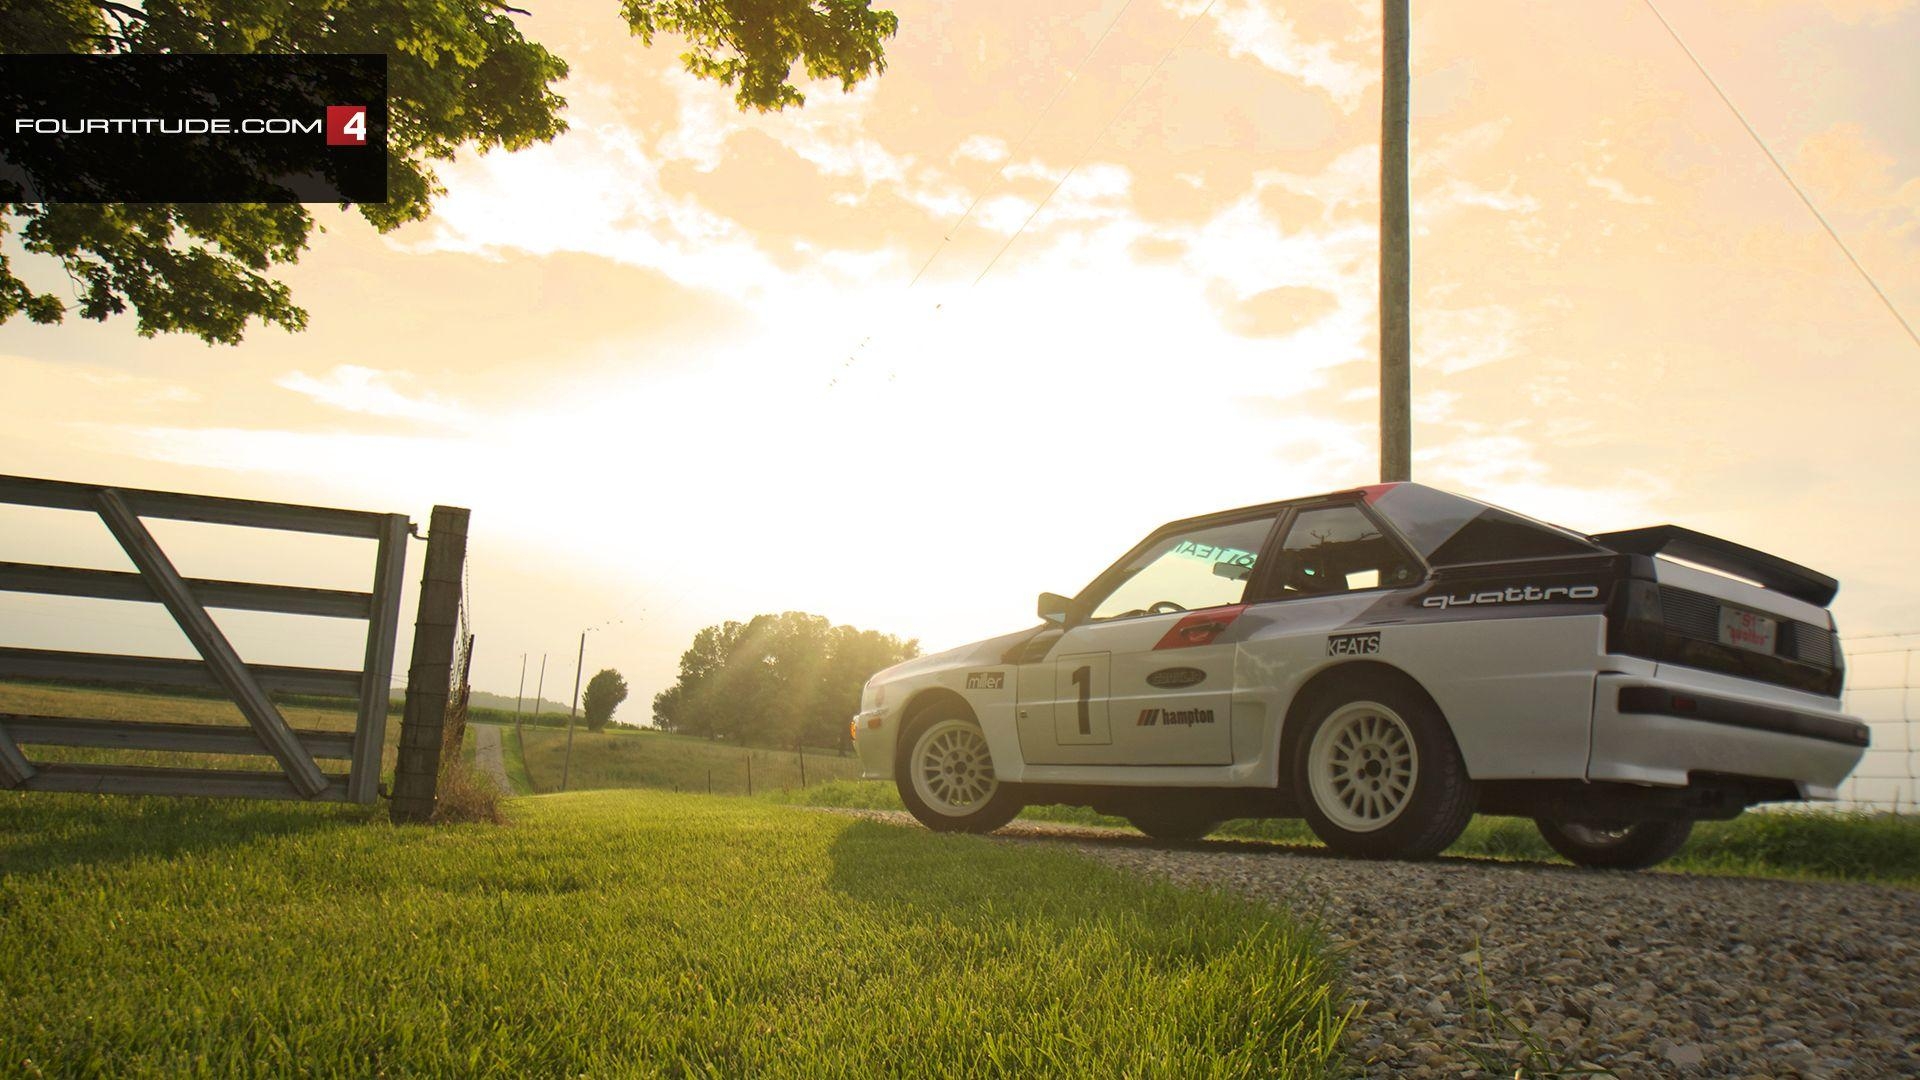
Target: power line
x: 1014, y: 154
x: 1124, y: 106
x: 1784, y: 174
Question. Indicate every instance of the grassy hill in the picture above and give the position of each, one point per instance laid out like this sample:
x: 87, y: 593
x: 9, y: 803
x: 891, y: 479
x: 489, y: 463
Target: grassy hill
x: 619, y: 934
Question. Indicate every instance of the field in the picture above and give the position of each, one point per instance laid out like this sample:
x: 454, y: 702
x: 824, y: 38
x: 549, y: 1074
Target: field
x: 620, y: 933
x: 625, y: 758
x: 1813, y: 845
x: 1818, y: 845
x: 103, y: 704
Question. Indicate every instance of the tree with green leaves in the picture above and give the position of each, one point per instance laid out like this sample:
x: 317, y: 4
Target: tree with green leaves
x: 791, y: 679
x: 605, y: 691
x: 460, y: 76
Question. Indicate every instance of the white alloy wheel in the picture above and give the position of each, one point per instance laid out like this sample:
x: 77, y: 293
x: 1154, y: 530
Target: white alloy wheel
x: 952, y: 769
x: 1362, y: 766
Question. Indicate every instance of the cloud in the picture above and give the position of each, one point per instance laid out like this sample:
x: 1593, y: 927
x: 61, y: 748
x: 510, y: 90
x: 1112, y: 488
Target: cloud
x: 373, y: 393
x: 1614, y: 189
x: 1851, y: 172
x: 1251, y: 30
x: 981, y: 148
x: 1278, y: 312
x: 1452, y: 340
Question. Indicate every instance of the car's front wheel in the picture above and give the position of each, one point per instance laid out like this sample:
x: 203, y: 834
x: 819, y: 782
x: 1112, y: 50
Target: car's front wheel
x: 1379, y: 775
x: 944, y: 771
x: 1615, y: 846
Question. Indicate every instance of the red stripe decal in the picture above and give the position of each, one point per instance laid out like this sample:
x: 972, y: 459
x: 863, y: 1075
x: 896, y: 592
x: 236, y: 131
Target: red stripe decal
x: 1200, y: 627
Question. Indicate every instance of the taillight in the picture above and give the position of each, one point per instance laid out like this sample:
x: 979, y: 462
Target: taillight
x: 1635, y: 622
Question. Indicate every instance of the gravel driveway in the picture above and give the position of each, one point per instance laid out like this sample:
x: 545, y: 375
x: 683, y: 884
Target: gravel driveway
x: 1643, y: 974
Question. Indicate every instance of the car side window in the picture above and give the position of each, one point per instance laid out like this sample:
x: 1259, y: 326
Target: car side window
x: 1339, y: 549
x: 1187, y: 571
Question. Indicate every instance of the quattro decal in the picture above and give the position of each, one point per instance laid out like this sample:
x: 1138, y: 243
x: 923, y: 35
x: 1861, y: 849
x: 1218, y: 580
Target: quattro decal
x: 1513, y: 594
x: 986, y: 680
x: 1173, y: 717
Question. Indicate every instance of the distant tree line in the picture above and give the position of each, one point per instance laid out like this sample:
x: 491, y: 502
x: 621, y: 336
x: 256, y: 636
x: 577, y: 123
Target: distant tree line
x: 791, y: 679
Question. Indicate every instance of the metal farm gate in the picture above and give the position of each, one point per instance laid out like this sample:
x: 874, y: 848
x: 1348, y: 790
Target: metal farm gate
x: 249, y: 686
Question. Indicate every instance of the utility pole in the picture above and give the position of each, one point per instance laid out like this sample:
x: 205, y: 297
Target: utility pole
x: 520, y: 695
x: 539, y: 689
x: 1396, y: 316
x: 566, y: 764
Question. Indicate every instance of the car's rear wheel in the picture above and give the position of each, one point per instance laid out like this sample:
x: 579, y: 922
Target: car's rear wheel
x: 945, y: 774
x: 1615, y: 845
x: 1378, y: 773
x: 1174, y: 824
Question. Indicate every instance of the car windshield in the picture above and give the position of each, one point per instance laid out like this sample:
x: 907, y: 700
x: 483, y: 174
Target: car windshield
x: 1185, y: 571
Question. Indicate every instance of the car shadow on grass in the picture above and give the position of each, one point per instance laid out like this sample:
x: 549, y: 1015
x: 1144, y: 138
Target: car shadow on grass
x: 47, y: 833
x: 1044, y: 833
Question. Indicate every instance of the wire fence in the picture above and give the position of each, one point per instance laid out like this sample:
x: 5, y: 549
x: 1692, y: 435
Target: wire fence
x: 1883, y: 689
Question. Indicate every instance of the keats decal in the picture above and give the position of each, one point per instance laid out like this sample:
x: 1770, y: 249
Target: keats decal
x: 1175, y: 678
x: 1512, y: 594
x: 986, y: 680
x: 1174, y: 717
x: 1354, y: 644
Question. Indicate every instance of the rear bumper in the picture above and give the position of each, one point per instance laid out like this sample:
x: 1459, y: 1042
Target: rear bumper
x: 1659, y: 730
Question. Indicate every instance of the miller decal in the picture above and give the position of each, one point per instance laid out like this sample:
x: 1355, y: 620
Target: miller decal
x: 1174, y: 717
x: 1366, y: 644
x: 1513, y: 594
x: 986, y: 680
x: 1174, y: 678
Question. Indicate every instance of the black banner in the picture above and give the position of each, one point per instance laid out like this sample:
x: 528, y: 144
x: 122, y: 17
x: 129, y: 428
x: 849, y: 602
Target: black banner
x: 193, y: 129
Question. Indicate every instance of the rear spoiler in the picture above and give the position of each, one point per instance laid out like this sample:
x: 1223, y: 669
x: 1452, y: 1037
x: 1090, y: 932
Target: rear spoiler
x: 1769, y: 570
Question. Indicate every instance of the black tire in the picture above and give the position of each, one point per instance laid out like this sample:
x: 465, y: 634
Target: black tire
x: 1174, y: 824
x: 1634, y: 846
x: 981, y: 815
x: 1436, y: 800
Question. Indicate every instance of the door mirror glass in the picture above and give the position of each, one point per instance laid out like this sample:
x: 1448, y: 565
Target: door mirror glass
x: 1054, y: 607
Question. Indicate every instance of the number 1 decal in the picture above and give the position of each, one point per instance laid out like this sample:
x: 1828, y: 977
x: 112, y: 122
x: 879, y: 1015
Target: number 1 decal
x: 1083, y: 681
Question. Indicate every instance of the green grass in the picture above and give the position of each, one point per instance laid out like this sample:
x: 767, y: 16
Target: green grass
x: 52, y: 699
x: 652, y: 759
x: 1790, y: 843
x: 516, y: 760
x: 620, y: 934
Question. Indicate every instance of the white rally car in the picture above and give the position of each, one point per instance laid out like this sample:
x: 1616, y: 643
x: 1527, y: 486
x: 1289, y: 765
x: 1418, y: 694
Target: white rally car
x: 1385, y: 662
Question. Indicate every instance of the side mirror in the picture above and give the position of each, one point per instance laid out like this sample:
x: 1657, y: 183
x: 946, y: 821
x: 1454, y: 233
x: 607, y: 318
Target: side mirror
x: 1054, y: 607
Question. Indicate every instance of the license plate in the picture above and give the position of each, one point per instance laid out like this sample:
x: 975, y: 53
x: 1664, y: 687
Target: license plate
x: 1745, y: 630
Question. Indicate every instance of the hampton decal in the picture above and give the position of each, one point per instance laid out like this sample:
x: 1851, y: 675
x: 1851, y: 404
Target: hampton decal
x: 986, y: 680
x: 1367, y: 644
x: 1513, y: 594
x: 1174, y: 717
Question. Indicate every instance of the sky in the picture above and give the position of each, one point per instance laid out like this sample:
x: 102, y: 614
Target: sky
x: 687, y: 365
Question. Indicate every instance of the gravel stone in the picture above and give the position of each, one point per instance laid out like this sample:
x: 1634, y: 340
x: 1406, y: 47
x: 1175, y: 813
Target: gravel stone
x: 1644, y: 974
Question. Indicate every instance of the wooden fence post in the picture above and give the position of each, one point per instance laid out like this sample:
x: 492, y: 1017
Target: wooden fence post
x: 430, y: 675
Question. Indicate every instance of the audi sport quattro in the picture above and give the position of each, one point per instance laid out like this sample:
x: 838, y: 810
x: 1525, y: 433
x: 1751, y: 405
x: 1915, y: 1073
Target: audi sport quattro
x: 1386, y: 662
